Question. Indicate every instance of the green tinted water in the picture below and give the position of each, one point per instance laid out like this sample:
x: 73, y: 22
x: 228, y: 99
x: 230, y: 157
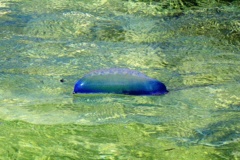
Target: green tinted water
x: 194, y: 50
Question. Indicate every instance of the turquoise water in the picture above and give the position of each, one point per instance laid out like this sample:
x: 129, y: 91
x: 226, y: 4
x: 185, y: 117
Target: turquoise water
x: 194, y: 50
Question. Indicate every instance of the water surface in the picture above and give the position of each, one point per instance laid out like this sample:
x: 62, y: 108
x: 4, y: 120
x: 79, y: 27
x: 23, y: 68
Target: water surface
x: 47, y: 46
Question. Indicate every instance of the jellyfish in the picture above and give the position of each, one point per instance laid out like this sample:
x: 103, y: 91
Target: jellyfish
x: 119, y: 81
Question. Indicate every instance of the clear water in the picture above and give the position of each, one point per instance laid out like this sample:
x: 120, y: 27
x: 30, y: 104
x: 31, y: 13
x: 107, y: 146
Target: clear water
x: 194, y: 51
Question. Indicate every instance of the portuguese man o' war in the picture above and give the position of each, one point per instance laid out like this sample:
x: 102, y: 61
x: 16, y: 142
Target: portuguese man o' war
x: 119, y: 81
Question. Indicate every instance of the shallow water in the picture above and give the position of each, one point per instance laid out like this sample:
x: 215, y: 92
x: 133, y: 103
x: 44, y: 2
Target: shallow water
x: 194, y: 51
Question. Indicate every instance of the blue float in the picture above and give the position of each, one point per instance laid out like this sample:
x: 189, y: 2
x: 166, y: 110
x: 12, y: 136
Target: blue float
x: 119, y: 81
